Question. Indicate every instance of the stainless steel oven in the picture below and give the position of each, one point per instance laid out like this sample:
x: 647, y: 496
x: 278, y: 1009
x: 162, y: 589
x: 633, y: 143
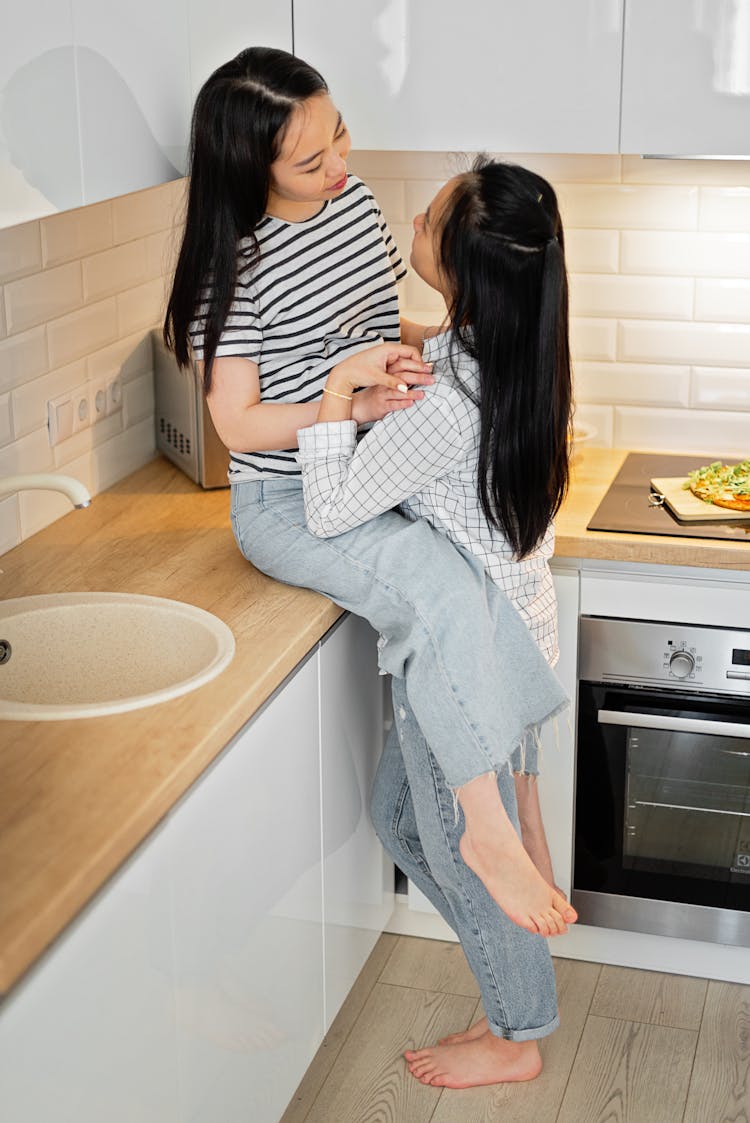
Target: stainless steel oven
x: 662, y: 814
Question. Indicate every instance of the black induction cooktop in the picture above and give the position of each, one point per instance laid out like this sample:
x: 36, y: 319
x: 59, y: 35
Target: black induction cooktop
x: 625, y: 507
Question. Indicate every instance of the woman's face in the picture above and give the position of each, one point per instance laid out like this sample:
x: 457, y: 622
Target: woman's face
x: 425, y: 245
x: 311, y: 166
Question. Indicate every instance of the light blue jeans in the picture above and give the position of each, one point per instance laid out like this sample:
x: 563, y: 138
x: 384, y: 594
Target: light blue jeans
x: 475, y: 679
x: 470, y: 687
x: 413, y: 813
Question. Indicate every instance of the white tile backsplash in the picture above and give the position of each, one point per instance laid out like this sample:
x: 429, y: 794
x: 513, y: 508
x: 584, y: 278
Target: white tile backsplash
x: 723, y: 300
x: 670, y: 253
x: 632, y: 383
x: 720, y: 389
x: 725, y: 208
x: 700, y: 344
x: 82, y: 291
x: 658, y: 298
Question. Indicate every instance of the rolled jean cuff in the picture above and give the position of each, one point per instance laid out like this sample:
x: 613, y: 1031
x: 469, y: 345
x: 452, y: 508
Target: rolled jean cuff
x: 524, y: 1034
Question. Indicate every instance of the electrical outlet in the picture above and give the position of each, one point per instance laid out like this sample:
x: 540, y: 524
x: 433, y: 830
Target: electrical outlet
x: 81, y: 411
x: 98, y: 400
x: 114, y: 395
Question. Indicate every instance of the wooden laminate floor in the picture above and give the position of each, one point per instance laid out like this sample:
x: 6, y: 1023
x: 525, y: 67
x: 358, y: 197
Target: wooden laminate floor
x: 633, y: 1047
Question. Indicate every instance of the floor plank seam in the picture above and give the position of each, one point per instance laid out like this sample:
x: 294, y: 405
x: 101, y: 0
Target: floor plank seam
x: 695, y: 1055
x: 578, y: 1043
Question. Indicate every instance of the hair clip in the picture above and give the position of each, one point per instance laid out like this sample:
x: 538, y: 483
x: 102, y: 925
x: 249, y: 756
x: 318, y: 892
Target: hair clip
x: 539, y: 197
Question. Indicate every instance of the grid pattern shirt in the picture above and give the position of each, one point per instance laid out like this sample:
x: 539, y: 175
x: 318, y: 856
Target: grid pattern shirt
x: 425, y: 458
x: 321, y: 290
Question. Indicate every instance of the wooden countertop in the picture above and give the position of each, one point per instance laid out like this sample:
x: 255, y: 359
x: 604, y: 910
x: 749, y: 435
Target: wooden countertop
x: 77, y: 797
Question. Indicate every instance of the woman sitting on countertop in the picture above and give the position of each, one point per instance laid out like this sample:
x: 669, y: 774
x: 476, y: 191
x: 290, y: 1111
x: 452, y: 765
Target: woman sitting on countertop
x: 479, y: 458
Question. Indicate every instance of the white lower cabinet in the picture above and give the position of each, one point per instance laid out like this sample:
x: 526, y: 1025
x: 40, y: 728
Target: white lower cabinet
x: 198, y: 984
x: 89, y: 1035
x: 248, y: 924
x: 357, y: 876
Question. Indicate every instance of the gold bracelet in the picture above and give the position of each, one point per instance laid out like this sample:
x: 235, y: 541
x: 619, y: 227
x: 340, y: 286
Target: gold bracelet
x: 335, y: 394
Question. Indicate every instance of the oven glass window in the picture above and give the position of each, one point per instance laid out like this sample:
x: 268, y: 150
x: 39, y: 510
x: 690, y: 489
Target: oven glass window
x: 687, y: 805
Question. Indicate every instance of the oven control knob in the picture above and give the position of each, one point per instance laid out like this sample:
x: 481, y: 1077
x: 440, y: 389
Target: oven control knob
x: 682, y: 664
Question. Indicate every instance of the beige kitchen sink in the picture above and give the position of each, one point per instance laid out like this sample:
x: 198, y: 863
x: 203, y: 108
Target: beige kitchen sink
x: 77, y: 655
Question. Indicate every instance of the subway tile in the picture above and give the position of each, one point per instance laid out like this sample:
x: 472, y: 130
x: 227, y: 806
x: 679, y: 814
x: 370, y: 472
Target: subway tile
x: 419, y: 195
x: 43, y: 296
x: 592, y: 251
x: 10, y: 529
x: 600, y: 418
x: 114, y: 270
x: 665, y: 298
x: 720, y: 172
x: 417, y: 293
x: 6, y: 425
x: 81, y: 332
x: 391, y: 197
x: 693, y: 430
x: 405, y: 165
x: 689, y: 253
x: 106, y: 429
x: 143, y: 212
x: 142, y: 307
x: 636, y: 383
x: 626, y: 206
x: 20, y: 251
x: 723, y: 300
x: 28, y: 454
x: 162, y: 250
x: 138, y: 400
x: 592, y: 339
x: 725, y: 208
x: 23, y: 357
x: 74, y: 234
x: 124, y: 454
x: 30, y: 398
x: 129, y: 357
x: 3, y: 331
x: 697, y: 344
x: 712, y: 388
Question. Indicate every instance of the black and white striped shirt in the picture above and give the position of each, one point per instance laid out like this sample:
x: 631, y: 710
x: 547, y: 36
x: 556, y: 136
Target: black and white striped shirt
x: 322, y: 290
x: 426, y: 459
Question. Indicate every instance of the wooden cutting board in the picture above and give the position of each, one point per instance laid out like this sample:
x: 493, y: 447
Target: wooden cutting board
x: 688, y: 507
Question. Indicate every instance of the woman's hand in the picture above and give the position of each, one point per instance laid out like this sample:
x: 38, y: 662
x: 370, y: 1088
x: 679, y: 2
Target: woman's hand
x: 393, y: 365
x: 386, y: 369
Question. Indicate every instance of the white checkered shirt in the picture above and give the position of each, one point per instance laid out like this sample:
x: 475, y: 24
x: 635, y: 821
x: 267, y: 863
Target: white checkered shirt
x: 425, y: 459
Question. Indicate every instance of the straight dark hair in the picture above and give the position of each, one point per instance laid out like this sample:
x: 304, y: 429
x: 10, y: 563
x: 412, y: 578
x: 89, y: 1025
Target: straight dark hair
x: 501, y: 252
x: 239, y: 120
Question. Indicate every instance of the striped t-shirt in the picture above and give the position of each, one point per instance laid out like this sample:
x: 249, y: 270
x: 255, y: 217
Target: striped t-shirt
x: 321, y: 290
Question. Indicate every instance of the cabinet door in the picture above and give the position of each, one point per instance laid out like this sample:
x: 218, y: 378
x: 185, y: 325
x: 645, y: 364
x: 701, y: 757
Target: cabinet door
x: 357, y: 876
x: 89, y: 1035
x: 686, y: 78
x: 521, y: 76
x: 247, y: 900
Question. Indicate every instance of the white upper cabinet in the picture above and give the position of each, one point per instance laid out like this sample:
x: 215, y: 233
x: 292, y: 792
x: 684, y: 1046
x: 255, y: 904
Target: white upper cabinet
x: 686, y: 78
x: 431, y: 75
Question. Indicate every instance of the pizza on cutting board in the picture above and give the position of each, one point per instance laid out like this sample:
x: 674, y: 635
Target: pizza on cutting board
x: 725, y: 485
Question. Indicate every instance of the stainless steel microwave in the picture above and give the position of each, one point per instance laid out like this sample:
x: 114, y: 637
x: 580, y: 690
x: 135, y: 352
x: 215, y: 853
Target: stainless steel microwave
x: 185, y: 433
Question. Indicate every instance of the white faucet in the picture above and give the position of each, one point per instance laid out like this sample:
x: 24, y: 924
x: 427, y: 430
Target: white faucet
x: 47, y: 481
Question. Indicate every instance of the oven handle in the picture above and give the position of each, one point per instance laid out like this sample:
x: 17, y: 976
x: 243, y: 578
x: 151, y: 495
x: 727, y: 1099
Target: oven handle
x: 673, y: 724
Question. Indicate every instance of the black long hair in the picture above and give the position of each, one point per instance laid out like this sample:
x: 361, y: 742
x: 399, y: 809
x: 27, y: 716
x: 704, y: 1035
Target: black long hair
x: 239, y: 120
x: 501, y: 251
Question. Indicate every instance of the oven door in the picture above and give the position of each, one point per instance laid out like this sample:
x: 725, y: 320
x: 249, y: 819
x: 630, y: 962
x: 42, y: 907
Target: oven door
x: 662, y: 837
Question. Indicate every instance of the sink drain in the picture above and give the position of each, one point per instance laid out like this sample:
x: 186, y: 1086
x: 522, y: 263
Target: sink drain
x: 5, y: 651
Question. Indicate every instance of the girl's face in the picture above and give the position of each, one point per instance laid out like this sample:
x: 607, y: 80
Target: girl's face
x: 311, y: 166
x: 425, y: 245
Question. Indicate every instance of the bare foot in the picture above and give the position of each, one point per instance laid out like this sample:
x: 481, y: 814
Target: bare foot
x: 492, y: 849
x: 485, y: 1060
x: 477, y: 1030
